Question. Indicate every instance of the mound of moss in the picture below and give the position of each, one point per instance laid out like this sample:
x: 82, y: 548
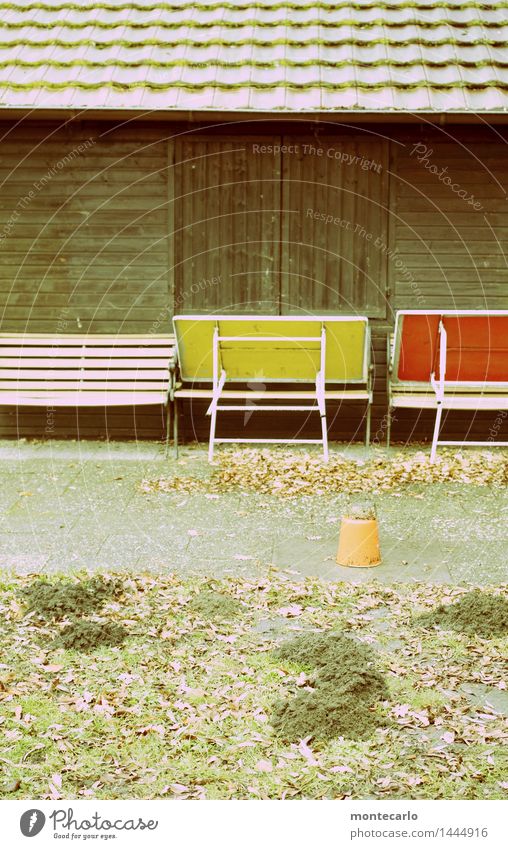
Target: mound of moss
x: 477, y: 613
x: 51, y: 600
x: 212, y: 605
x: 84, y: 635
x: 345, y: 686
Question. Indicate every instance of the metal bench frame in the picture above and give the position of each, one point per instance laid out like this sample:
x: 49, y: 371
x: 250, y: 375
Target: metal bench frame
x: 92, y: 370
x: 220, y: 379
x: 318, y: 396
x: 441, y: 394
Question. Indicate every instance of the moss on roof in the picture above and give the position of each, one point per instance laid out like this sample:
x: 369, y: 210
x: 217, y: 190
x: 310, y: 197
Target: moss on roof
x: 190, y: 50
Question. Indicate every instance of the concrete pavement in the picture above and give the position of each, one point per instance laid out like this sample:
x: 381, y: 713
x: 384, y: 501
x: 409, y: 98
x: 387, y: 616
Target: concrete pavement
x: 68, y: 505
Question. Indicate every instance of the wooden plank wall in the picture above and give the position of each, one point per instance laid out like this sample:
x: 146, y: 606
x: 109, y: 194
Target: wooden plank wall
x: 118, y: 234
x: 449, y: 218
x: 335, y: 265
x: 227, y: 225
x: 451, y: 238
x: 89, y: 247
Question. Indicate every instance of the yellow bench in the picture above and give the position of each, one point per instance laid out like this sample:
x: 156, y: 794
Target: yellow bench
x: 223, y: 350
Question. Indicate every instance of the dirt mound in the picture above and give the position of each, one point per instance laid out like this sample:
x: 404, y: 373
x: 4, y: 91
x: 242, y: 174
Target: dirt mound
x: 85, y: 636
x: 209, y: 604
x: 345, y: 685
x: 477, y: 613
x: 57, y: 599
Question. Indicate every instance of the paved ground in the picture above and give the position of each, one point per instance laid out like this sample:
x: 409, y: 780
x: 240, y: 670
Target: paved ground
x: 69, y: 505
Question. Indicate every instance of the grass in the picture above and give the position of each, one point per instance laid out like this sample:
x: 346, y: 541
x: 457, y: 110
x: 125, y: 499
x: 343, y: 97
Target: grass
x: 182, y: 708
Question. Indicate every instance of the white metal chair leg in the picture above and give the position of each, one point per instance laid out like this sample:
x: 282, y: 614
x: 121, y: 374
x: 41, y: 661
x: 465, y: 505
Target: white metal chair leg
x: 367, y: 425
x: 213, y: 422
x: 324, y: 431
x: 435, y: 437
x: 320, y: 392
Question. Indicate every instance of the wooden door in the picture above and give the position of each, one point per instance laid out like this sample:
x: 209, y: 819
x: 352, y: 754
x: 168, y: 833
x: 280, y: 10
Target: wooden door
x: 334, y: 226
x: 226, y: 250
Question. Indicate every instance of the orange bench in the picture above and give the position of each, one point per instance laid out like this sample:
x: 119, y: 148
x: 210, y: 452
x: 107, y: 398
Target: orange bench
x: 449, y: 360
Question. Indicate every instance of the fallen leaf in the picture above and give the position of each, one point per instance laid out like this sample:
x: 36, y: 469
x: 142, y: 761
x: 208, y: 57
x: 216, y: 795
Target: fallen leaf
x: 307, y: 753
x: 178, y: 789
x: 292, y: 610
x: 264, y: 766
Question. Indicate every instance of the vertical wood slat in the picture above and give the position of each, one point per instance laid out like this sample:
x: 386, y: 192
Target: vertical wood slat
x: 391, y: 228
x: 170, y: 242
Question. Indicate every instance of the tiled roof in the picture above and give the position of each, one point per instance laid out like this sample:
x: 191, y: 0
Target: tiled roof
x: 271, y: 55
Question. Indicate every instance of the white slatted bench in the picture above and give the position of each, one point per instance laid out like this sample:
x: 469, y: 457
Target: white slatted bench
x: 93, y: 370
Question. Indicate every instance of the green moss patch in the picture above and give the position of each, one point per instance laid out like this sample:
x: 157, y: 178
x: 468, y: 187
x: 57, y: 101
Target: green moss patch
x: 212, y: 605
x: 84, y: 635
x: 51, y: 600
x: 344, y: 687
x: 477, y: 613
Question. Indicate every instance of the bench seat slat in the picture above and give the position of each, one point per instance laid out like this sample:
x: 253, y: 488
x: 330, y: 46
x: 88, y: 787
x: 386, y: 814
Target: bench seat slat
x: 78, y: 385
x: 83, y: 374
x: 290, y: 394
x: 31, y: 398
x: 79, y: 363
x: 91, y: 340
x: 28, y: 353
x: 451, y: 402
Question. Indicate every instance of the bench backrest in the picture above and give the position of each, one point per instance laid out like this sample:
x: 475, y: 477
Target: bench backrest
x: 476, y: 347
x: 37, y: 361
x: 289, y: 357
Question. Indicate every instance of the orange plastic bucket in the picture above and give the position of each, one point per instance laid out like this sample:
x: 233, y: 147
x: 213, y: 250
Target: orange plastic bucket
x: 358, y: 543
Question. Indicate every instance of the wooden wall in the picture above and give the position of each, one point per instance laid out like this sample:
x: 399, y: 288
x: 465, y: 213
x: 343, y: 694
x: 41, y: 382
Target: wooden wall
x: 87, y: 248
x: 227, y: 225
x: 450, y: 221
x: 252, y: 230
x: 337, y: 265
x: 113, y: 228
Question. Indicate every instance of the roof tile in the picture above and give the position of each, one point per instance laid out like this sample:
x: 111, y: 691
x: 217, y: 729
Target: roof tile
x: 268, y: 55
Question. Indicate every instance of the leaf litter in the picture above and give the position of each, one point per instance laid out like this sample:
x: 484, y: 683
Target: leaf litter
x: 290, y: 473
